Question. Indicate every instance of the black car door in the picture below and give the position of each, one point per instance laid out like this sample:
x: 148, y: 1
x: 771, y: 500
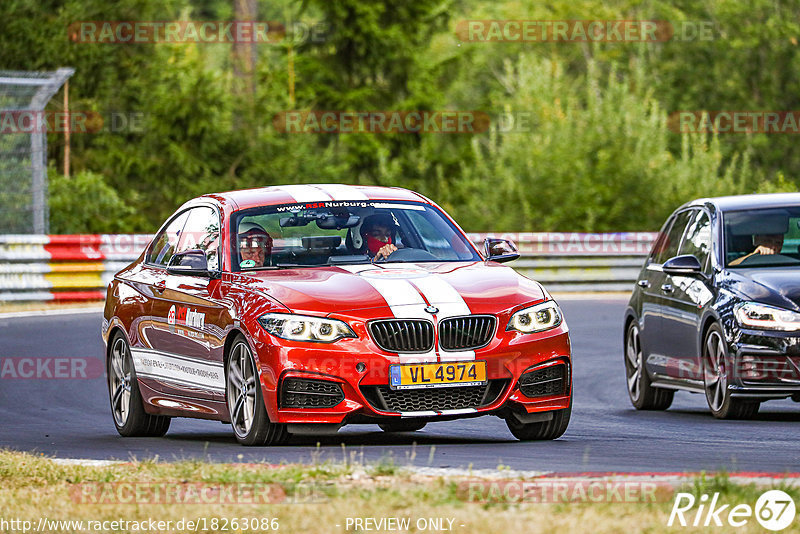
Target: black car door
x: 656, y: 342
x: 684, y: 299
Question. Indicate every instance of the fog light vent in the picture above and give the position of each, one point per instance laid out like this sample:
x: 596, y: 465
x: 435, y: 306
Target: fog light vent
x: 305, y: 393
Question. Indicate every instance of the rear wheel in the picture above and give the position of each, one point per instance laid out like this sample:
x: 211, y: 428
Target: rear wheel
x: 127, y: 406
x: 715, y: 379
x: 246, y: 403
x: 544, y: 430
x: 403, y: 425
x: 643, y: 395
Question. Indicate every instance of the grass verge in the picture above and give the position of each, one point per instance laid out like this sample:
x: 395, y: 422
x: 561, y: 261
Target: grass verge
x: 323, y: 498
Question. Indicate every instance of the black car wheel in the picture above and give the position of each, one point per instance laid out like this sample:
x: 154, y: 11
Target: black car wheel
x: 544, y: 430
x: 643, y: 396
x: 127, y: 407
x: 246, y: 407
x: 403, y: 425
x: 715, y: 379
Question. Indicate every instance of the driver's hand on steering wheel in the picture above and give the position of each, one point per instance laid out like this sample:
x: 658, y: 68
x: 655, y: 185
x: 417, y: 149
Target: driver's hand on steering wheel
x: 385, y: 251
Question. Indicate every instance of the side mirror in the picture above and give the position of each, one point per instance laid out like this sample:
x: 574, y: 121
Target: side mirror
x: 499, y: 250
x: 189, y: 262
x: 682, y: 265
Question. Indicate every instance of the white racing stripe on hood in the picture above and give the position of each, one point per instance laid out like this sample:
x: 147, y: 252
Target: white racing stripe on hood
x: 405, y: 302
x: 403, y: 297
x: 343, y: 192
x: 450, y: 303
x: 305, y: 193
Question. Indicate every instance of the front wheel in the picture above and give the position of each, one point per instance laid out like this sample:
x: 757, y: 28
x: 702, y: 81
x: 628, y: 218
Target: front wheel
x: 544, y: 430
x: 127, y: 406
x: 715, y: 380
x: 248, y: 414
x: 643, y: 395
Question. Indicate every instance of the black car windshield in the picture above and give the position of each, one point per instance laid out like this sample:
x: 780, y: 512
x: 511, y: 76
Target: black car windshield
x: 767, y: 237
x: 345, y: 233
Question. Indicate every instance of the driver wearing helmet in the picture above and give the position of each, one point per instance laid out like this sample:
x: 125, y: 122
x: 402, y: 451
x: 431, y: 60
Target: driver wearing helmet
x: 255, y: 245
x: 378, y: 233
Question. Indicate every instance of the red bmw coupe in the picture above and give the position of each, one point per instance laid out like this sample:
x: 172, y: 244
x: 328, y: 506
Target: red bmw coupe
x: 297, y: 309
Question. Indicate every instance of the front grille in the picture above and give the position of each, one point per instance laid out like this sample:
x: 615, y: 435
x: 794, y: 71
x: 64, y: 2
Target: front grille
x: 387, y: 399
x: 465, y: 333
x: 304, y: 393
x: 402, y: 335
x: 544, y: 382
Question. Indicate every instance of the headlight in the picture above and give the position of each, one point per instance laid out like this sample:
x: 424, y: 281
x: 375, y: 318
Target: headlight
x: 754, y: 315
x: 304, y: 328
x: 543, y: 316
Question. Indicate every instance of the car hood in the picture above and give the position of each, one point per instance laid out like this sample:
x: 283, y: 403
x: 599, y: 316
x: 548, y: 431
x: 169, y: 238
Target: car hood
x: 777, y: 286
x: 404, y: 288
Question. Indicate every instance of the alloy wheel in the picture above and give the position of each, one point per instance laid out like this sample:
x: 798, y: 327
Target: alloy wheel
x: 241, y: 389
x: 119, y: 381
x: 714, y: 371
x: 633, y: 362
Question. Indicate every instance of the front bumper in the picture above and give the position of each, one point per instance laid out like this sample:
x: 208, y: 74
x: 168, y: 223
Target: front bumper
x: 360, y: 371
x: 765, y: 364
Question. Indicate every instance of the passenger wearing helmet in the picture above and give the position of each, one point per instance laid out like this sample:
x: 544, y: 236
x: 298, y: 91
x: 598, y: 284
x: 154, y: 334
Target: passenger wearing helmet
x: 255, y: 245
x: 379, y: 236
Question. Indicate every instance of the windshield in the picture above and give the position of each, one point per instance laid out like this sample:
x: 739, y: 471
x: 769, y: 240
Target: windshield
x: 345, y: 233
x: 766, y: 237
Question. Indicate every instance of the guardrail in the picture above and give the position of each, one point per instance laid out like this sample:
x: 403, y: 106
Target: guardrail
x: 63, y: 267
x: 78, y: 267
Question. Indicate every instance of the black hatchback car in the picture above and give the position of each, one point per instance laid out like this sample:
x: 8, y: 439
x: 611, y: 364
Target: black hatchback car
x: 716, y: 308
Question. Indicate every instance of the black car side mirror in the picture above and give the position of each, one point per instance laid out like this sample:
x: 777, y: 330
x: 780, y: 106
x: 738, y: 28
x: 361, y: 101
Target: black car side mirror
x: 189, y: 262
x: 682, y: 265
x: 499, y: 250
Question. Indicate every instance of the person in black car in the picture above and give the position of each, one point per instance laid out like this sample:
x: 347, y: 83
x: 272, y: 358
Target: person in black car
x: 765, y: 245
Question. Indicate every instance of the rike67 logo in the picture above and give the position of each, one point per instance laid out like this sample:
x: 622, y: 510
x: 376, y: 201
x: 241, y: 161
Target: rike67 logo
x: 774, y: 510
x: 185, y: 317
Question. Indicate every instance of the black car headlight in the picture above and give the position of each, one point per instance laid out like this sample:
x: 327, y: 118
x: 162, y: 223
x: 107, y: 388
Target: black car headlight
x: 305, y: 328
x: 542, y: 316
x: 761, y: 316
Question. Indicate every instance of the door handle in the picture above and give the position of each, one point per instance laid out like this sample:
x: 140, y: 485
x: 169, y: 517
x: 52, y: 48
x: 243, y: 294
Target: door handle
x: 159, y: 287
x: 667, y: 288
x: 643, y: 283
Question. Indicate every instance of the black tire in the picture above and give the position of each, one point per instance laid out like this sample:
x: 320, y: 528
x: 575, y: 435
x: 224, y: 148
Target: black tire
x: 642, y: 394
x: 544, y: 430
x: 127, y: 407
x: 403, y: 425
x: 715, y: 379
x: 248, y: 414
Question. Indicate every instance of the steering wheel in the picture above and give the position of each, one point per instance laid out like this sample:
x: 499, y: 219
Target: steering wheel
x: 766, y: 259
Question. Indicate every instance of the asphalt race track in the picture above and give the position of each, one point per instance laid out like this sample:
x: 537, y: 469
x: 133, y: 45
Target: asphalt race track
x: 71, y: 418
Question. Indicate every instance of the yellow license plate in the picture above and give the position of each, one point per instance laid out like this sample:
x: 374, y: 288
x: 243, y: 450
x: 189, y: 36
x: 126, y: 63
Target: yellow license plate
x: 427, y: 375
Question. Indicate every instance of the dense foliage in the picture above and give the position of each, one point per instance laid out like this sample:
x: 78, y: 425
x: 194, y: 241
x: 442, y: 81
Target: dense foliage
x: 594, y: 152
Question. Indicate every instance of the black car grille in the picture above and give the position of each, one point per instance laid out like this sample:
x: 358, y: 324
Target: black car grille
x: 304, y: 393
x: 433, y: 399
x: 465, y: 333
x: 544, y: 382
x: 402, y: 335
